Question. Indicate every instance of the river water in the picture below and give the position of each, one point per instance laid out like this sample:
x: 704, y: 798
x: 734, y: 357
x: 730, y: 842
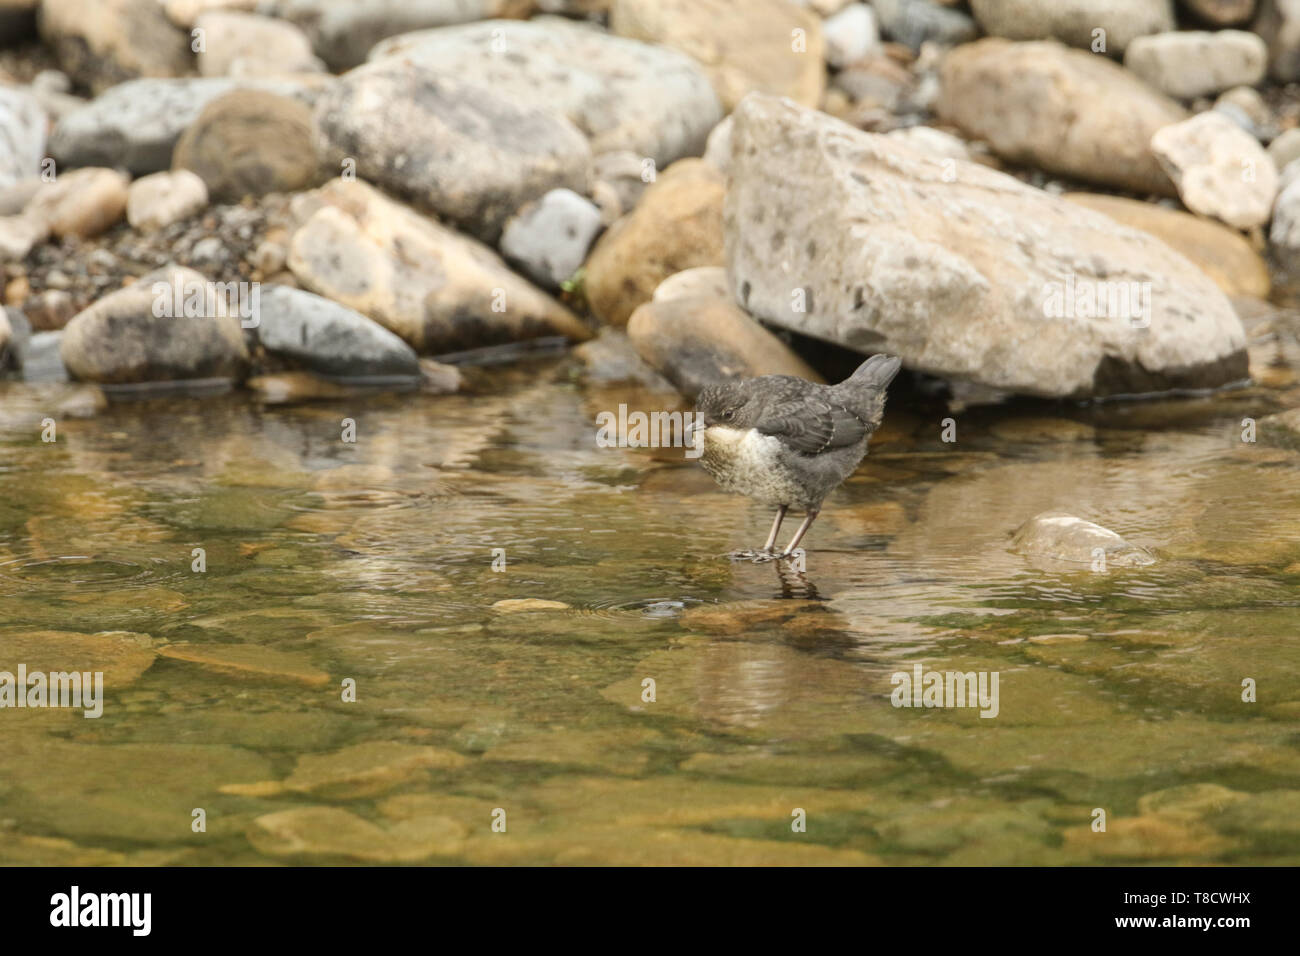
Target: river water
x: 489, y: 728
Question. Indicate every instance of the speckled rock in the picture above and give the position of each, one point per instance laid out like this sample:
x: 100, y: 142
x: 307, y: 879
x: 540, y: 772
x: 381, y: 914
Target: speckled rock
x: 122, y: 340
x: 745, y: 45
x: 1023, y: 99
x: 621, y: 93
x: 437, y: 289
x: 548, y: 238
x: 968, y: 273
x: 458, y: 149
x: 676, y: 226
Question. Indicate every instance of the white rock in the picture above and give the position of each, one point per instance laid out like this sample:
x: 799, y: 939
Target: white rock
x: 549, y: 238
x: 160, y: 199
x: 22, y: 135
x: 1219, y: 169
x: 851, y: 35
x: 245, y: 44
x: 931, y: 141
x: 1198, y: 63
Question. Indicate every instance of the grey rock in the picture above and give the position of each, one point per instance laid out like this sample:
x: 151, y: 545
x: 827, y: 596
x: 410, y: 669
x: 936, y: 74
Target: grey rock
x: 343, y: 33
x: 626, y: 173
x: 717, y: 153
x: 329, y: 338
x: 964, y: 276
x: 610, y: 357
x: 41, y: 360
x: 1060, y: 537
x: 136, y: 125
x: 458, y: 149
x: 623, y: 94
x: 913, y: 22
x: 1278, y: 22
x: 121, y: 339
x: 1195, y: 63
x: 549, y: 238
x: 22, y: 135
x: 1074, y: 21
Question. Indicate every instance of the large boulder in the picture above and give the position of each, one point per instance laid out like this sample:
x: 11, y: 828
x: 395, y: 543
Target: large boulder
x: 458, y: 149
x: 170, y: 325
x: 1066, y: 111
x: 1076, y: 22
x: 677, y: 225
x: 103, y: 42
x: 439, y: 290
x: 964, y: 272
x: 745, y: 45
x: 136, y: 124
x: 623, y: 94
x: 329, y: 338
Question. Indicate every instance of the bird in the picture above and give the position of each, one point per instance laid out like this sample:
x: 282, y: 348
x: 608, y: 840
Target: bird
x: 787, y: 442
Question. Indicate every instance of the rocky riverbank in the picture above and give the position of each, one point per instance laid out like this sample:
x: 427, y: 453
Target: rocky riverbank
x: 1053, y: 200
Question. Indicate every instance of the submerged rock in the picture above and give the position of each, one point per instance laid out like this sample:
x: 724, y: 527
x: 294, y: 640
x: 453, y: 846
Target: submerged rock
x: 437, y: 289
x: 621, y: 93
x: 856, y: 239
x: 694, y: 342
x: 1024, y: 100
x: 1058, y: 536
x: 332, y: 832
x: 745, y: 45
x: 122, y: 338
x: 677, y: 225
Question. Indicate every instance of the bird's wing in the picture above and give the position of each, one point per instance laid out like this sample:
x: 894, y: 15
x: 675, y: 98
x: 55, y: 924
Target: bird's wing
x: 812, y: 426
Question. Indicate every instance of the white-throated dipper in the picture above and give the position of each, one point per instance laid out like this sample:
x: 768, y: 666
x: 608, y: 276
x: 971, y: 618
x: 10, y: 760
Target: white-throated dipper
x: 788, y: 442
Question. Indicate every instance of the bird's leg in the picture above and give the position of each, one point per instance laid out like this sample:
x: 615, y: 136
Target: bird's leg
x: 798, y: 535
x: 776, y: 526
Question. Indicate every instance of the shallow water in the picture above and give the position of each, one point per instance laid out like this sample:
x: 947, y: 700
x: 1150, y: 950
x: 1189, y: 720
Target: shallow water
x: 373, y: 562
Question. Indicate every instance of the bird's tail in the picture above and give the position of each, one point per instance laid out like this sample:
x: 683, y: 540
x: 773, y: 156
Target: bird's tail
x: 864, y: 391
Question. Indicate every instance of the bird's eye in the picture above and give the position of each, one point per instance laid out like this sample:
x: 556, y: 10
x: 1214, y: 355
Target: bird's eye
x: 729, y: 414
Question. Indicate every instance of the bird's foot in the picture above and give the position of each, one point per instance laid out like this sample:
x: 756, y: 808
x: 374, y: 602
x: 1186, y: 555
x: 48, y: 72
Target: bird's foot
x: 757, y: 557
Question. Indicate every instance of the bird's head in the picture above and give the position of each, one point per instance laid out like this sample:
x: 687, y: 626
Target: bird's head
x: 728, y: 404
